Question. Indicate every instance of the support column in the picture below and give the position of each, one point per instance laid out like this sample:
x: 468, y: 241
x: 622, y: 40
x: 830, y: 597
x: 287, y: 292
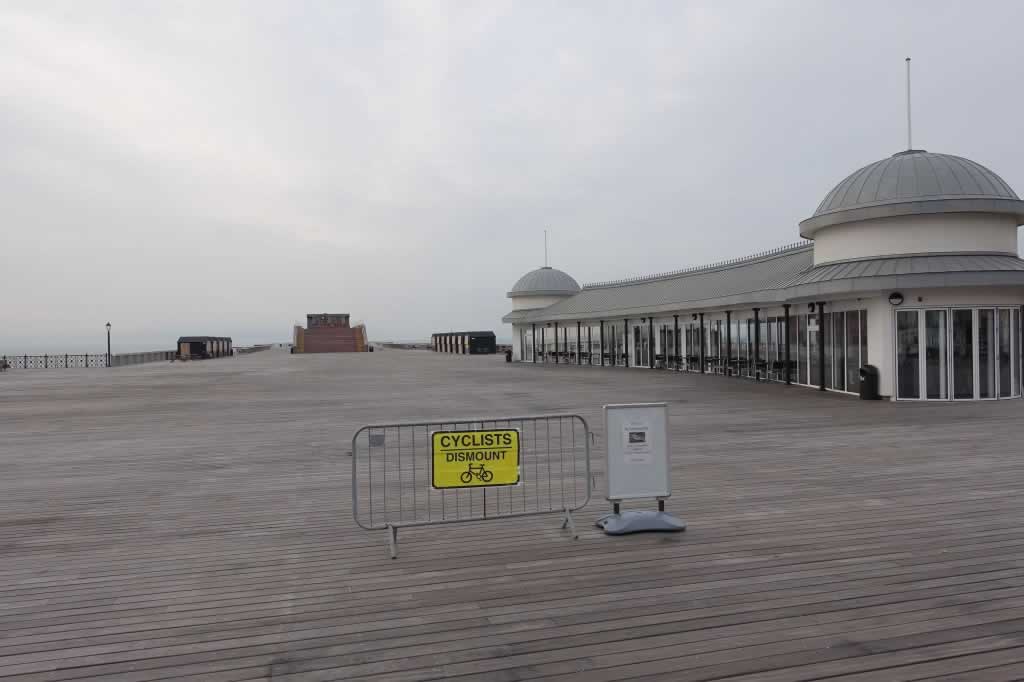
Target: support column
x: 543, y: 345
x: 675, y: 340
x: 556, y: 343
x: 590, y: 344
x: 821, y: 346
x: 789, y: 374
x: 533, y: 326
x: 757, y: 344
x: 702, y: 343
x: 579, y: 353
x: 728, y: 343
x: 625, y: 340
x: 565, y: 343
x: 602, y: 342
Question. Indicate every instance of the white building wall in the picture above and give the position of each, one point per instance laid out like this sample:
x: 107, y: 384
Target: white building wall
x: 881, y: 342
x: 517, y: 342
x: 880, y: 322
x: 937, y: 233
x: 532, y: 302
x: 962, y: 296
x: 882, y: 318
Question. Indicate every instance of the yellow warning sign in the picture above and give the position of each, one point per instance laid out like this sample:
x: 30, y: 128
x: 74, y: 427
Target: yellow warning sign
x: 470, y: 459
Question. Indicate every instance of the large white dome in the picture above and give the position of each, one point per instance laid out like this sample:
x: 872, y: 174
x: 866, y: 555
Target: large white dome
x: 915, y: 182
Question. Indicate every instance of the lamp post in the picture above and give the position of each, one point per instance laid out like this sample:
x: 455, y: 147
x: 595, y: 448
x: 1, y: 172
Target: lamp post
x: 108, y: 344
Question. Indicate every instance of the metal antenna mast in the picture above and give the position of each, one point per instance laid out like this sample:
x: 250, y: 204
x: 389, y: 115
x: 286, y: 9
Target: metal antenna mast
x: 910, y: 143
x: 545, y: 248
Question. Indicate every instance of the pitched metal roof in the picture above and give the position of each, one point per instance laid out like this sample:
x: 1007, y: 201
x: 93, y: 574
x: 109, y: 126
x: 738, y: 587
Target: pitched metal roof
x: 684, y: 289
x: 517, y: 315
x: 910, y: 265
x: 914, y: 182
x: 905, y: 272
x: 783, y: 275
x: 546, y: 281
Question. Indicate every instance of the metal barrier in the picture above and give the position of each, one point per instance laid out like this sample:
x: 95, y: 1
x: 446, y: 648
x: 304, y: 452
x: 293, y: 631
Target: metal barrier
x: 392, y: 474
x: 83, y: 360
x: 55, y: 361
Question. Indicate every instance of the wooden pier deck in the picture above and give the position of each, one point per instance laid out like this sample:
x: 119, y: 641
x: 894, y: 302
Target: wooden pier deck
x: 192, y: 521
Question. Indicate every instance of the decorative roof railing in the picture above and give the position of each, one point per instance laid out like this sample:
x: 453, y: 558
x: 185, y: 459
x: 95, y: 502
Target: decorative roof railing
x: 719, y: 265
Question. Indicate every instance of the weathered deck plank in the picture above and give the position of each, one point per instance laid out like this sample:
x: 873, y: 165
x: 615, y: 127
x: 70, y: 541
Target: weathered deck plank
x: 193, y: 521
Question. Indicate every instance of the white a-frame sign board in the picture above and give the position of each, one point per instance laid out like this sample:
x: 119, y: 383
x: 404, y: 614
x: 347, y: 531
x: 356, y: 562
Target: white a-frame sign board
x: 638, y: 464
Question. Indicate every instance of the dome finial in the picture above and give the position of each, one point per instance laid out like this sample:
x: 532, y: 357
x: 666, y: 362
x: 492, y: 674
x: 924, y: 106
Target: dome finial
x: 910, y: 142
x: 545, y: 248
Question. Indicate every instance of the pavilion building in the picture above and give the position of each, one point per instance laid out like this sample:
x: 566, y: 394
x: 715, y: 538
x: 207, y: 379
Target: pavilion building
x: 910, y: 264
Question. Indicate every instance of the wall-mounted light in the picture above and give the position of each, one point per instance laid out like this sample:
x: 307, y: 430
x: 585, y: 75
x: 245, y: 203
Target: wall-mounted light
x: 810, y: 307
x: 895, y: 298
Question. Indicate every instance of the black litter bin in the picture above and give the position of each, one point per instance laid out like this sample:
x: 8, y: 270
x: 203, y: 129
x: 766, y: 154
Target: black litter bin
x: 508, y: 355
x: 869, y: 383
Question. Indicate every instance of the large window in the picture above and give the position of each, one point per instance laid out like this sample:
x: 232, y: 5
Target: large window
x: 812, y: 350
x: 845, y: 345
x: 963, y: 353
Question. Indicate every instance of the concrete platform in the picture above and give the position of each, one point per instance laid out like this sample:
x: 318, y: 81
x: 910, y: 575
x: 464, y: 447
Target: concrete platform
x: 192, y: 521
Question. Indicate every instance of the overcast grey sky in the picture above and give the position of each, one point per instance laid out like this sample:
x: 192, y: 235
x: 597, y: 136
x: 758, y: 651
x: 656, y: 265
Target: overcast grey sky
x: 227, y: 167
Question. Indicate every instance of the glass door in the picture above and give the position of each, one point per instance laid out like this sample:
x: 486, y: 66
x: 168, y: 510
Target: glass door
x: 986, y: 353
x: 963, y: 354
x: 814, y: 362
x: 801, y: 355
x: 637, y: 362
x: 908, y: 355
x: 839, y: 349
x: 853, y: 361
x: 958, y: 353
x: 1016, y: 355
x: 936, y: 354
x: 1005, y: 354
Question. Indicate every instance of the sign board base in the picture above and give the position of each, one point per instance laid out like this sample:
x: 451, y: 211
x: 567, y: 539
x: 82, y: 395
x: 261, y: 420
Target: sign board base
x: 640, y: 522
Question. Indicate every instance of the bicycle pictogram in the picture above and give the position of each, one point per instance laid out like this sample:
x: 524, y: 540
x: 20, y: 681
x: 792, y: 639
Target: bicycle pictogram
x: 476, y: 471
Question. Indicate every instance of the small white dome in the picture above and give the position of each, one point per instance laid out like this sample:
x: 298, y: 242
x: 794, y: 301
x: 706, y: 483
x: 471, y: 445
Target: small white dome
x: 544, y: 281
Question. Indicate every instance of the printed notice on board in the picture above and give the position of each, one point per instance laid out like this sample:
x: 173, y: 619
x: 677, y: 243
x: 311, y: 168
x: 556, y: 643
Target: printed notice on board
x: 636, y: 442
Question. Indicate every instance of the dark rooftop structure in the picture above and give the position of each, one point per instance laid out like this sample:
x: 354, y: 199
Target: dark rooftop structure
x: 203, y: 347
x: 465, y: 343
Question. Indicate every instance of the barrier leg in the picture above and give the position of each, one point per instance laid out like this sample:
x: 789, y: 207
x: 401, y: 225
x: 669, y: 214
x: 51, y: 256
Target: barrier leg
x: 567, y: 522
x: 393, y: 541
